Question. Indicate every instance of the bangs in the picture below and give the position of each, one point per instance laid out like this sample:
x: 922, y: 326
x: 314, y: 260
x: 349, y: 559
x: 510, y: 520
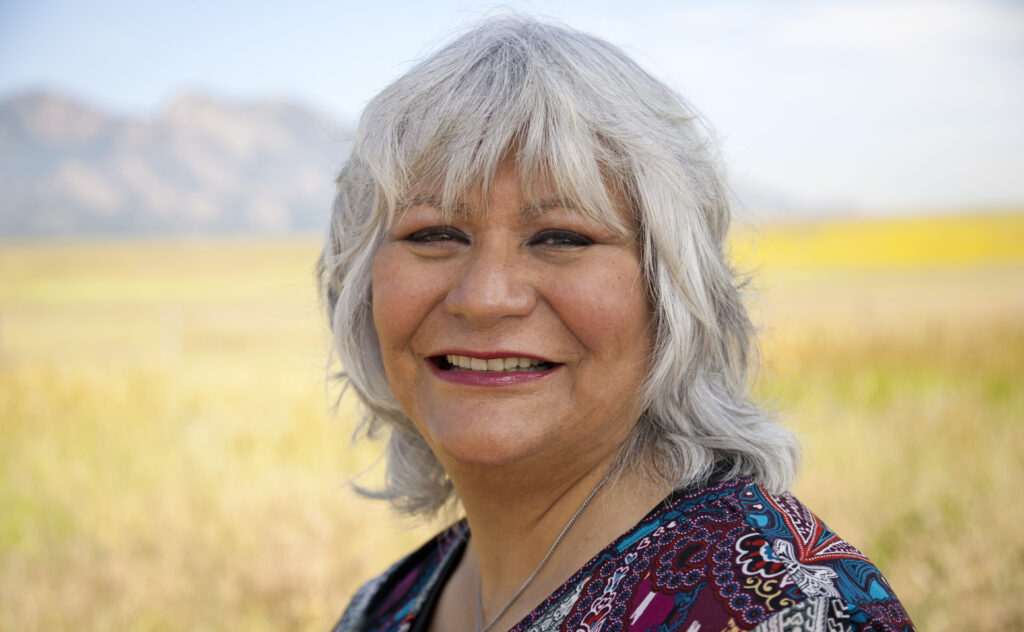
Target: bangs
x: 509, y: 104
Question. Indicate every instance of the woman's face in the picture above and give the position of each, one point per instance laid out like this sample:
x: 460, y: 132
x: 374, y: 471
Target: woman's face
x: 518, y: 334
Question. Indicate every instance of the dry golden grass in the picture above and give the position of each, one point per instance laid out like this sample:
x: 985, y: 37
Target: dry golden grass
x: 167, y: 460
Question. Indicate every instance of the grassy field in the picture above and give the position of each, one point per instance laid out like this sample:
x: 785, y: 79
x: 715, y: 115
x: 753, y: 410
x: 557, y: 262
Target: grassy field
x: 168, y: 461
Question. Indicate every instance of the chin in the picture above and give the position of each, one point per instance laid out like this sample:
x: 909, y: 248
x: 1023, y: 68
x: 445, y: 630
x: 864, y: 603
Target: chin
x: 495, y: 444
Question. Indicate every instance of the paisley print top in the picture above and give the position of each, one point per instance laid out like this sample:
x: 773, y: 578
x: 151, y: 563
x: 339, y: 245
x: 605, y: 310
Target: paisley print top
x: 727, y: 557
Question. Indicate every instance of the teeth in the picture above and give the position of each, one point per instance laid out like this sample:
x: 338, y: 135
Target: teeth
x: 494, y: 364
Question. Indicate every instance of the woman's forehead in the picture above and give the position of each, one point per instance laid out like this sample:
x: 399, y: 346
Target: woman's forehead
x: 505, y: 179
x: 535, y: 194
x: 527, y: 211
x: 423, y: 208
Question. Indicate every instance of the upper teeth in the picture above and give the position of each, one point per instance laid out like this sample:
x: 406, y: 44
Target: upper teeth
x: 494, y: 364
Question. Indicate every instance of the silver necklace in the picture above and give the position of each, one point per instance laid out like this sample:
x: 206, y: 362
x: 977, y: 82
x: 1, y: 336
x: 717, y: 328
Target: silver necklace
x: 529, y: 580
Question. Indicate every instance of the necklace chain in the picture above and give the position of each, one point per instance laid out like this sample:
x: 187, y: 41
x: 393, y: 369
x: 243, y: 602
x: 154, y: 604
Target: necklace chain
x: 529, y: 580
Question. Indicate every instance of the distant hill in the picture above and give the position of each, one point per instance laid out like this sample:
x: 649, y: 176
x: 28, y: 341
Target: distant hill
x: 201, y: 166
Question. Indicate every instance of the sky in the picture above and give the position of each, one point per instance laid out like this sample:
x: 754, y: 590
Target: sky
x: 888, y: 106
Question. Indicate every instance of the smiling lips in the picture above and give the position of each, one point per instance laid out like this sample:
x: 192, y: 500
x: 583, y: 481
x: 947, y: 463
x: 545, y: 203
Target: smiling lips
x: 494, y: 371
x: 495, y: 364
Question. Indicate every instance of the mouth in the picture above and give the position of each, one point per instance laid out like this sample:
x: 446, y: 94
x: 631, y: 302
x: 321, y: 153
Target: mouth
x: 510, y: 364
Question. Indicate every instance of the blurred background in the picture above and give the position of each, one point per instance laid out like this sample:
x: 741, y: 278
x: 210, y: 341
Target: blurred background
x: 169, y: 456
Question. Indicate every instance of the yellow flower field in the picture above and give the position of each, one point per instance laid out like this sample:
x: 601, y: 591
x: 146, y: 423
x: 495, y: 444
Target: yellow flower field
x: 169, y: 459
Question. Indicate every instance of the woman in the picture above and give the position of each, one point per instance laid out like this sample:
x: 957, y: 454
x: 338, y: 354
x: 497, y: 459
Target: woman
x: 526, y: 282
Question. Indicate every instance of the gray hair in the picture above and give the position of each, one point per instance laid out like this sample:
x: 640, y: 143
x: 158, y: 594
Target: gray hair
x: 578, y: 110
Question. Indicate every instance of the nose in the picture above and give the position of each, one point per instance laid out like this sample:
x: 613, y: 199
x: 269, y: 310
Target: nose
x: 490, y: 286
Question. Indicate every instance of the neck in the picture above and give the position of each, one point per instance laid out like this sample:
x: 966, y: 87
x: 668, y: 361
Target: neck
x: 516, y: 516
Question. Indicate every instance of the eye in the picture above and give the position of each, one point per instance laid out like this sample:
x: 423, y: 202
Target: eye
x: 437, y: 234
x: 560, y: 239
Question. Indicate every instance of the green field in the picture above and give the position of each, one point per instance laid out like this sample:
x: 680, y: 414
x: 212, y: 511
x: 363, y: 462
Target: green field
x: 168, y: 459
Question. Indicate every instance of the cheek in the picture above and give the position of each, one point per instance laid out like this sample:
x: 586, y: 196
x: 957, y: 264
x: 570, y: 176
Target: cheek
x: 607, y: 310
x: 401, y: 300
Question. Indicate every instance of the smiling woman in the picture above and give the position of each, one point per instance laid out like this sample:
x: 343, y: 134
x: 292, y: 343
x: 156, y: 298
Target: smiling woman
x: 526, y: 282
x: 546, y: 307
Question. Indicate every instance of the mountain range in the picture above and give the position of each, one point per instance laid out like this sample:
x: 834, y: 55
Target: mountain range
x: 200, y: 166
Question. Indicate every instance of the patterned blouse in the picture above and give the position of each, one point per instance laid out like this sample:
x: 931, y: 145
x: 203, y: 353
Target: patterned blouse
x: 727, y: 557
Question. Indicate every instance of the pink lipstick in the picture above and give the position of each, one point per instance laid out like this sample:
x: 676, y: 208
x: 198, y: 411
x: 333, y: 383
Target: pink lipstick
x: 490, y: 369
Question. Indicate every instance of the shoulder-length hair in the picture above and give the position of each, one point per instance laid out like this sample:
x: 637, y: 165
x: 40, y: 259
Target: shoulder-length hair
x: 578, y: 110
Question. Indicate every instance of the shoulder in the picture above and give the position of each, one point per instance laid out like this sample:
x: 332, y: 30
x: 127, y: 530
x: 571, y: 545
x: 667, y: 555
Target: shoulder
x: 789, y: 545
x: 392, y: 599
x: 355, y: 614
x: 727, y: 556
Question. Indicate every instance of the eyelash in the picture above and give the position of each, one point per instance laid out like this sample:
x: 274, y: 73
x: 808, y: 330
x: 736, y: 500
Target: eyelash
x: 436, y: 234
x: 561, y: 238
x: 555, y: 238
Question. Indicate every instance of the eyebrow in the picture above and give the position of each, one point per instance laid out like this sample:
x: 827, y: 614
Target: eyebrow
x: 432, y: 200
x: 528, y: 211
x: 531, y: 211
